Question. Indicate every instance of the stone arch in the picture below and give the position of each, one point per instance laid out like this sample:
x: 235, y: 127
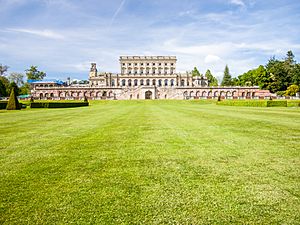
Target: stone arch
x: 192, y: 93
x: 148, y: 95
x: 185, y: 94
x: 46, y: 95
x: 234, y: 94
x: 216, y: 94
x: 204, y: 93
x: 198, y: 94
x: 228, y: 94
x: 51, y: 95
x: 209, y: 94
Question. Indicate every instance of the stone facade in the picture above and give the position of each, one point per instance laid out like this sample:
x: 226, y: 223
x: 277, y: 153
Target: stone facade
x: 142, y: 77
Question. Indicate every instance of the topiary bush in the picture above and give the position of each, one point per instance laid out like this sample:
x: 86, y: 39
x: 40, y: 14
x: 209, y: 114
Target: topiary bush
x: 13, y: 103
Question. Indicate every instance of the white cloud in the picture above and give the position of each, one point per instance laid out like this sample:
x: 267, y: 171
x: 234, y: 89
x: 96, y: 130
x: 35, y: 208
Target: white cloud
x: 212, y: 59
x: 42, y: 33
x: 238, y: 2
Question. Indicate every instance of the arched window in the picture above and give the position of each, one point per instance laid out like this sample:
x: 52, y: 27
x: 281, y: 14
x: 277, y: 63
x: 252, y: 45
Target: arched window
x: 51, y: 95
x: 123, y: 82
x: 204, y: 94
x: 166, y: 82
x: 172, y: 83
x: 142, y: 82
x: 147, y: 82
x: 135, y: 82
x: 159, y: 82
x: 153, y: 82
x: 129, y: 82
x: 113, y: 83
x: 182, y: 83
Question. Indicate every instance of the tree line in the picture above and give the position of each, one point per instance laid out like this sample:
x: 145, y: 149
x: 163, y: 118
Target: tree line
x: 278, y: 76
x: 15, y: 80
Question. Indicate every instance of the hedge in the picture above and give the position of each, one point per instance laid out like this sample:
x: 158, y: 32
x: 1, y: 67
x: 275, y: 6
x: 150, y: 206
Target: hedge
x: 276, y: 103
x: 3, y: 105
x: 253, y: 103
x: 57, y: 104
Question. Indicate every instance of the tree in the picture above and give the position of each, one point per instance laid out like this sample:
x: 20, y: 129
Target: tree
x: 13, y: 103
x: 3, y: 69
x: 34, y: 74
x: 4, y: 86
x: 296, y: 75
x: 25, y: 89
x: 226, y: 78
x: 292, y: 90
x: 212, y: 81
x: 14, y: 86
x: 18, y: 78
x: 195, y: 72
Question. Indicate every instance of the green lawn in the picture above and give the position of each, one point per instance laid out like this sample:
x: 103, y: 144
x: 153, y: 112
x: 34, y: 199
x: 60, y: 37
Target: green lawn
x: 150, y: 162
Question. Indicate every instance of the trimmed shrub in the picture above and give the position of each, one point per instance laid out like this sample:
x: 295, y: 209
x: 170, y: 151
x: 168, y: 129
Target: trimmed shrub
x: 250, y: 103
x: 276, y: 103
x: 13, y: 103
x: 254, y: 103
x: 57, y: 104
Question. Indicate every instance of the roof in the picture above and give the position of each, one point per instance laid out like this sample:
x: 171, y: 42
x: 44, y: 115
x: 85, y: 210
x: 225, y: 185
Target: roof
x: 48, y: 81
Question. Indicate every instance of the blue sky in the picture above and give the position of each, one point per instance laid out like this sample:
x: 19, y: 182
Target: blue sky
x: 62, y: 37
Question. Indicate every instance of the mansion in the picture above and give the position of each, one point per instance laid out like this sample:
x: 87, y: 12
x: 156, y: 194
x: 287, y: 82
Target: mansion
x: 142, y: 77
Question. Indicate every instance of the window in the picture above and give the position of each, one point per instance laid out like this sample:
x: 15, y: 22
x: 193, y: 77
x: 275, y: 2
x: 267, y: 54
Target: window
x: 129, y: 64
x: 123, y: 64
x: 166, y: 64
x: 153, y: 64
x: 135, y: 64
x: 142, y: 64
x: 159, y: 64
x: 148, y: 64
x: 148, y: 82
x: 172, y: 64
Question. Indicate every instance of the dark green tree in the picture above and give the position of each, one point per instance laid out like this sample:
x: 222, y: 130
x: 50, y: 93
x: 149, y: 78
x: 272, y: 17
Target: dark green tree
x: 212, y: 81
x: 34, y: 74
x: 4, y: 89
x: 226, y: 81
x: 13, y: 103
x: 296, y: 75
x: 195, y: 72
x: 14, y: 86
